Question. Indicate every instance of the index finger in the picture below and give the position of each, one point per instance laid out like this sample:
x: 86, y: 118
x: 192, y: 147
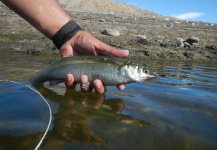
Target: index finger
x: 104, y: 48
x: 70, y: 81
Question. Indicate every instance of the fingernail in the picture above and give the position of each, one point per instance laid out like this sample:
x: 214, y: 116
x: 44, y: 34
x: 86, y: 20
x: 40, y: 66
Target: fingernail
x: 69, y: 78
x: 126, y: 52
x: 85, y: 85
x: 97, y: 84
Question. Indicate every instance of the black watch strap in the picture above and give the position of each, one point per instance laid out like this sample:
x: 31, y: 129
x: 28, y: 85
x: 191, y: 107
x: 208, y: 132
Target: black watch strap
x: 65, y: 33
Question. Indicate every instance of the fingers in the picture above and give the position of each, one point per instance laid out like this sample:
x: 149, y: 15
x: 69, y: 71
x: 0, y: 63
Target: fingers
x: 69, y: 81
x: 84, y: 83
x: 66, y: 50
x: 98, y: 86
x: 119, y: 53
x: 113, y: 51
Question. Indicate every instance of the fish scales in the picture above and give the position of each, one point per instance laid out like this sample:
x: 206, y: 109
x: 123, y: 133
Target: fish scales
x: 110, y: 71
x: 106, y: 72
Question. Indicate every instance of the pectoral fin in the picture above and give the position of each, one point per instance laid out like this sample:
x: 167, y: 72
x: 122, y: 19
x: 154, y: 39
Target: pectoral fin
x: 55, y: 82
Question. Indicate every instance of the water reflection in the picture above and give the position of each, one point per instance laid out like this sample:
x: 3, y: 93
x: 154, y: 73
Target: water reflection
x: 181, y: 105
x: 76, y: 110
x: 23, y: 116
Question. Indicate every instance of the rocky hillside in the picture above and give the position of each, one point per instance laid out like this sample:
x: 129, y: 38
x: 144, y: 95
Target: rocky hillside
x: 145, y: 34
x: 105, y: 6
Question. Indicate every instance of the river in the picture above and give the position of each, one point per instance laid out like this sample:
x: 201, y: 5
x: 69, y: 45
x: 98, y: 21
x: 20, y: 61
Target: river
x: 178, y: 111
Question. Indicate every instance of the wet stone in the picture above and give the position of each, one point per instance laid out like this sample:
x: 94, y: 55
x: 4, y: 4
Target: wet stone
x: 192, y: 40
x: 111, y: 32
x: 188, y: 54
x: 143, y: 41
x: 179, y: 42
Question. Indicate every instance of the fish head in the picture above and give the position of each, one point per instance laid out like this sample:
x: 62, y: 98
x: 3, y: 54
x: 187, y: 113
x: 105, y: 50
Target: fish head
x: 138, y: 73
x: 145, y: 73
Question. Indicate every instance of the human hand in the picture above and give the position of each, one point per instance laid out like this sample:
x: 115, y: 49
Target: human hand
x: 82, y: 43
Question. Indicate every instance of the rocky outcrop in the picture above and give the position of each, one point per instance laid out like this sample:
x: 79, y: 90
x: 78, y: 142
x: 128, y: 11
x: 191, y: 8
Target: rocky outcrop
x: 186, y: 43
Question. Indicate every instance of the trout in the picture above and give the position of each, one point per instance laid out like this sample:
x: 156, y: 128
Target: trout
x: 111, y: 71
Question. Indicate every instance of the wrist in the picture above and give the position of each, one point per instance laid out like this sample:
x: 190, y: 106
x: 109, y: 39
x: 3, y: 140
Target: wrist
x: 65, y: 33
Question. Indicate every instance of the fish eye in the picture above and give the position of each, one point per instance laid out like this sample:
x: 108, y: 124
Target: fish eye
x: 146, y: 71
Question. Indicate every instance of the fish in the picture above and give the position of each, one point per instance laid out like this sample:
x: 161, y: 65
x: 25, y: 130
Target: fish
x: 110, y: 70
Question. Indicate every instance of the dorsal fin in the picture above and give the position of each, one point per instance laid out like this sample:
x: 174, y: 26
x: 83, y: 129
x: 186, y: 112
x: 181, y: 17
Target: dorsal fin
x: 110, y: 56
x: 115, y: 60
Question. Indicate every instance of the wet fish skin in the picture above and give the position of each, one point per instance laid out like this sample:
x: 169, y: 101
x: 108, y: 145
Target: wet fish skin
x: 109, y: 71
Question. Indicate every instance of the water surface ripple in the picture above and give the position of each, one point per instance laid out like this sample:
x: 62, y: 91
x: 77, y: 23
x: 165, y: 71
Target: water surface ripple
x: 178, y: 111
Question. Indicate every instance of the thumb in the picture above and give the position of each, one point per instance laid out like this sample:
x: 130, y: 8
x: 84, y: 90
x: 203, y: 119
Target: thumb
x: 66, y: 50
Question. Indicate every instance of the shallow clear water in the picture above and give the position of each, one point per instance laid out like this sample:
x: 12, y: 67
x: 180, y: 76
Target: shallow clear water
x: 178, y: 111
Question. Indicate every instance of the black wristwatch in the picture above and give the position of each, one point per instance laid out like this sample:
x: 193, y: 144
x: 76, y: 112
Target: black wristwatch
x: 65, y: 33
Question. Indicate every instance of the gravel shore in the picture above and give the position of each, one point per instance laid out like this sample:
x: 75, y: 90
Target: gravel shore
x: 146, y: 36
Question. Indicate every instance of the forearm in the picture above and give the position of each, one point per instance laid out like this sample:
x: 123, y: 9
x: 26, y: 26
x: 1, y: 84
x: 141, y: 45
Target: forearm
x: 45, y: 15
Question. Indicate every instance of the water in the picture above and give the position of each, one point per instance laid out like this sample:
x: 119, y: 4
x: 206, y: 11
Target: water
x: 178, y: 111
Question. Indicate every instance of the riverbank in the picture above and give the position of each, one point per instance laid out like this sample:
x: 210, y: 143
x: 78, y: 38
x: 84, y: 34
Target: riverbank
x: 146, y: 36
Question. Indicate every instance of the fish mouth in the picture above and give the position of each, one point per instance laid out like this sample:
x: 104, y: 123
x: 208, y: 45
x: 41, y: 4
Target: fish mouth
x: 152, y: 75
x: 155, y: 74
